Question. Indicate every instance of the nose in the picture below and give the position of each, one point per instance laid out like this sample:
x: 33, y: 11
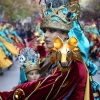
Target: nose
x: 46, y: 34
x: 35, y: 77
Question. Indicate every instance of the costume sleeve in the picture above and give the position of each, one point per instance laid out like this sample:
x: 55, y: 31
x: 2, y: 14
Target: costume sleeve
x: 57, y: 86
x: 4, y: 95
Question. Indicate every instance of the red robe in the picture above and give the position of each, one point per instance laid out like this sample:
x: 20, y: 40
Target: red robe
x: 72, y: 82
x: 42, y: 51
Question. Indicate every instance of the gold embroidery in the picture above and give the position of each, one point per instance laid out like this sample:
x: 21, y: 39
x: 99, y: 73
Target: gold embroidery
x: 65, y: 84
x: 62, y: 83
x: 18, y: 94
x: 37, y: 85
x: 52, y: 87
x: 36, y: 88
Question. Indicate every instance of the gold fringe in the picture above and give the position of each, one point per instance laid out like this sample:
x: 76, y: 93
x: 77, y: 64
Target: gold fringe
x: 87, y: 89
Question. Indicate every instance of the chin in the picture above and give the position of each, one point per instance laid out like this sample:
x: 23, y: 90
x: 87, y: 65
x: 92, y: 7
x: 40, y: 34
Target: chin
x: 49, y: 46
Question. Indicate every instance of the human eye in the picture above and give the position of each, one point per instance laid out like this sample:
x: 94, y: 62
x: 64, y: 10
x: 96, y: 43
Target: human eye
x: 44, y: 30
x: 52, y: 30
x: 30, y: 73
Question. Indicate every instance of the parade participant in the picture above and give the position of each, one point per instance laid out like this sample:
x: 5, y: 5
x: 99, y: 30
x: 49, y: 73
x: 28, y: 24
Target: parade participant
x: 6, y: 32
x: 3, y: 34
x: 29, y: 34
x: 98, y: 57
x: 10, y: 47
x: 3, y: 51
x: 6, y: 50
x: 94, y: 42
x: 14, y: 36
x: 91, y: 29
x: 26, y: 55
x: 38, y: 43
x: 32, y: 71
x: 68, y: 77
x: 94, y: 45
x: 4, y: 58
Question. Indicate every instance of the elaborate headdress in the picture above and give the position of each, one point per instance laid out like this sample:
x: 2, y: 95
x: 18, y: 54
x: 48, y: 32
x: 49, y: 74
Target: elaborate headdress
x: 31, y: 66
x: 63, y: 15
x: 29, y: 61
x: 25, y: 68
x: 60, y: 17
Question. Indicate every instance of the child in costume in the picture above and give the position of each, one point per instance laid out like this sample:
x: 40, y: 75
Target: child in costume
x: 68, y: 77
x: 32, y: 71
x: 26, y: 58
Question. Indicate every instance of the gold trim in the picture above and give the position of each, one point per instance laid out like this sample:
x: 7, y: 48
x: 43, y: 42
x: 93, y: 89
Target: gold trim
x: 18, y: 94
x: 65, y: 84
x: 36, y: 88
x: 91, y: 78
x: 62, y: 83
x: 52, y: 87
x: 87, y: 88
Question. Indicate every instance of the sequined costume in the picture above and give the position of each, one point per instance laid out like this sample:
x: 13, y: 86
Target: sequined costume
x: 7, y: 49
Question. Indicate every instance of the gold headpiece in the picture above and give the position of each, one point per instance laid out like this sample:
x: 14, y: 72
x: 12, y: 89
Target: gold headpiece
x: 61, y: 17
x: 31, y: 66
x: 65, y: 51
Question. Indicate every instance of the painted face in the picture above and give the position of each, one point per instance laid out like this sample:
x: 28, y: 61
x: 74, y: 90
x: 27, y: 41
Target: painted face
x: 51, y: 34
x: 33, y: 75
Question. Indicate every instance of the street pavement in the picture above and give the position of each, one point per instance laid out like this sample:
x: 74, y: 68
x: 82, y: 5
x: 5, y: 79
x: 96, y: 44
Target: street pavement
x: 11, y: 77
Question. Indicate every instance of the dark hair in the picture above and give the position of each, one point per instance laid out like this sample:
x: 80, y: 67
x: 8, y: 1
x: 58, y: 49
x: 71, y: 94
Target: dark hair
x: 53, y: 30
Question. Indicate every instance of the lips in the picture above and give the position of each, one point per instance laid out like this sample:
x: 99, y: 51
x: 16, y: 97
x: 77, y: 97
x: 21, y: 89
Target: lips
x: 47, y: 41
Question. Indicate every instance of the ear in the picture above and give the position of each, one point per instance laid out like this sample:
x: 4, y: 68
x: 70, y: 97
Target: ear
x: 58, y: 43
x: 72, y: 43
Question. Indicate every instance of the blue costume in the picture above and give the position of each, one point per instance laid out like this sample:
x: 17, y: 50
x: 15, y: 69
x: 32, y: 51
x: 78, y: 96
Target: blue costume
x: 7, y: 49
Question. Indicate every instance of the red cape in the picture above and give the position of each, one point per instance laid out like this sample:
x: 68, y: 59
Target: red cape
x: 73, y: 87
